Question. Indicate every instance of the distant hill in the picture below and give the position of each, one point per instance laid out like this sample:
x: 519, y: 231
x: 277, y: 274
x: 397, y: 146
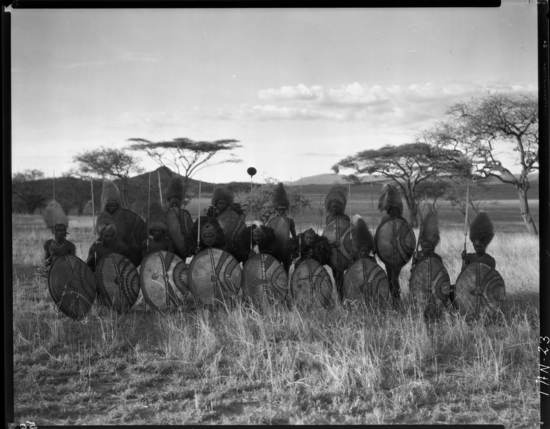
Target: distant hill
x: 327, y: 179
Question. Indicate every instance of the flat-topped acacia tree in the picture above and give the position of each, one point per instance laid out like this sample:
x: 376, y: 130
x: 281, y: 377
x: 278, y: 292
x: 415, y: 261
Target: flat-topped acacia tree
x: 408, y: 166
x: 186, y: 156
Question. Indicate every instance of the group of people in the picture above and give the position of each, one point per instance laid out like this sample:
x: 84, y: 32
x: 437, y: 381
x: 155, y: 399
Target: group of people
x: 122, y: 231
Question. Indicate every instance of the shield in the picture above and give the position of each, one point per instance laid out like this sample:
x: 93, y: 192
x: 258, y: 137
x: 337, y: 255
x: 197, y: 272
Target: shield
x: 281, y: 226
x: 232, y: 224
x: 264, y: 280
x: 395, y: 243
x: 366, y: 281
x: 340, y: 232
x: 180, y: 228
x: 430, y: 280
x: 311, y: 284
x: 214, y: 276
x: 72, y: 286
x: 117, y: 282
x: 163, y: 280
x: 479, y: 287
x: 131, y: 231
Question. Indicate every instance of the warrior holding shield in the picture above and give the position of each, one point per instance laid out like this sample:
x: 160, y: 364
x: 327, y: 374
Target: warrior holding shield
x: 211, y: 234
x: 394, y: 239
x: 130, y: 227
x: 263, y: 240
x: 229, y: 215
x: 180, y: 223
x: 158, y: 228
x: 57, y: 246
x: 106, y: 243
x: 310, y: 245
x: 481, y: 234
x: 283, y: 225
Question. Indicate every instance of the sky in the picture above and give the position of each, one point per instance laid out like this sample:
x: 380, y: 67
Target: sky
x: 300, y: 89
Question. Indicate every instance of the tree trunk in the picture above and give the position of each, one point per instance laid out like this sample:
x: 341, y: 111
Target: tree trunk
x: 525, y: 213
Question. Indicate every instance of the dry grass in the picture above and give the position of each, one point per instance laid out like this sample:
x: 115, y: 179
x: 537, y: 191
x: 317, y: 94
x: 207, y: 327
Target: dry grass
x: 242, y: 367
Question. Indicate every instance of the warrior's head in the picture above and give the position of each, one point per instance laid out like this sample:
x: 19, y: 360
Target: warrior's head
x: 335, y: 207
x: 175, y: 192
x: 107, y: 233
x: 157, y: 234
x: 257, y: 235
x: 281, y: 210
x: 222, y: 198
x: 336, y: 199
x: 427, y: 247
x: 479, y: 247
x: 309, y: 237
x: 175, y: 202
x: 111, y: 207
x: 481, y: 232
x: 221, y: 205
x: 110, y: 197
x: 393, y: 212
x: 60, y: 232
x: 390, y: 201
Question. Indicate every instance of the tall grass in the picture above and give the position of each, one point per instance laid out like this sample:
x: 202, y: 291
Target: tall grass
x: 278, y: 366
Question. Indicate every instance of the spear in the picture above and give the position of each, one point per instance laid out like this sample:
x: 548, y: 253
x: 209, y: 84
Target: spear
x: 160, y: 190
x: 300, y: 217
x: 93, y: 208
x: 148, y: 208
x: 466, y: 215
x: 251, y: 172
x: 372, y: 204
x: 350, y: 222
x: 199, y: 218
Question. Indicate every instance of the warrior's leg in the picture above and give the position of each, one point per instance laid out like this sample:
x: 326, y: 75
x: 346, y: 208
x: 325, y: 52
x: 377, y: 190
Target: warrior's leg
x: 393, y: 278
x: 339, y: 279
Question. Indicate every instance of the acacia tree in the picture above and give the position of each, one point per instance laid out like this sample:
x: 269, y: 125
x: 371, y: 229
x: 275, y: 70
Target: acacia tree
x: 25, y: 194
x: 407, y: 165
x: 186, y: 156
x: 489, y: 126
x: 113, y: 164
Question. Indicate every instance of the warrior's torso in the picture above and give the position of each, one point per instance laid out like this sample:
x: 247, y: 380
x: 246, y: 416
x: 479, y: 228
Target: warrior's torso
x: 55, y: 250
x: 473, y: 257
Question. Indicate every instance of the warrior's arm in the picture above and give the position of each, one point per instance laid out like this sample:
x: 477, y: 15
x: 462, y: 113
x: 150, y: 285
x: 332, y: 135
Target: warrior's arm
x: 292, y: 227
x: 72, y: 248
x: 90, y: 261
x: 46, y: 253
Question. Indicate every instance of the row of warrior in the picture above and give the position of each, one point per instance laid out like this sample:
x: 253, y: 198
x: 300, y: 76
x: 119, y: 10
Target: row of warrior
x: 343, y: 240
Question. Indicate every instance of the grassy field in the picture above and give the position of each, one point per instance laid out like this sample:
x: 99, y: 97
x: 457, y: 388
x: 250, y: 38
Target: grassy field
x: 281, y: 367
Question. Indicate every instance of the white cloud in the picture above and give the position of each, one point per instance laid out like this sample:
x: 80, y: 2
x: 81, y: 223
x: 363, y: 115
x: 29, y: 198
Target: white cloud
x: 137, y: 56
x: 149, y: 120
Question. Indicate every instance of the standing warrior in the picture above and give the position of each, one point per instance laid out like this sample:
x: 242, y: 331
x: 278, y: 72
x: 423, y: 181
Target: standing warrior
x: 158, y: 230
x: 58, y: 245
x: 363, y: 243
x: 229, y: 215
x: 335, y: 203
x: 131, y: 230
x: 211, y: 234
x: 428, y: 239
x: 481, y: 234
x: 394, y: 239
x: 106, y: 242
x: 180, y: 223
x: 281, y: 223
x: 312, y: 246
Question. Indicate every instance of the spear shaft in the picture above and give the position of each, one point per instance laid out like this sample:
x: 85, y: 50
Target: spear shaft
x: 466, y: 215
x: 199, y: 218
x: 160, y: 190
x: 93, y: 208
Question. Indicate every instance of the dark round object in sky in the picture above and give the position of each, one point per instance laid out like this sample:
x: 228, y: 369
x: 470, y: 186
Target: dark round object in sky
x: 251, y: 171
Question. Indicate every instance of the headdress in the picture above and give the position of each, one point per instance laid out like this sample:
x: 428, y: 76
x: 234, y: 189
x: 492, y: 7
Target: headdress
x: 109, y: 194
x: 54, y: 215
x: 157, y: 218
x: 481, y: 229
x: 429, y: 230
x: 105, y: 222
x: 280, y: 198
x: 222, y: 192
x: 390, y: 197
x: 363, y: 237
x: 175, y: 188
x: 336, y: 193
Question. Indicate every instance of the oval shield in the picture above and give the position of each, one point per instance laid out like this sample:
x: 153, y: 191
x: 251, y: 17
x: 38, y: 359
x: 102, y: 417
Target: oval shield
x: 72, y: 286
x: 281, y: 226
x: 214, y: 276
x: 180, y: 229
x: 232, y: 224
x: 340, y: 232
x: 430, y: 280
x: 131, y: 231
x: 163, y: 280
x: 395, y: 242
x: 366, y: 281
x: 479, y: 287
x: 311, y: 284
x: 117, y: 282
x: 264, y: 280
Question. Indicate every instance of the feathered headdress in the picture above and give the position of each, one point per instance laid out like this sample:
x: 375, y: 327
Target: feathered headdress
x: 269, y: 235
x: 363, y: 237
x: 390, y: 197
x: 105, y: 222
x: 157, y: 218
x: 280, y: 198
x: 54, y: 215
x: 222, y: 192
x: 110, y: 193
x: 336, y: 193
x: 481, y: 229
x: 175, y: 188
x: 429, y: 230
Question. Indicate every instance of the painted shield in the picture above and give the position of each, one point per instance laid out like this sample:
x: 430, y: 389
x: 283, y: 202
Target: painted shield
x: 479, y: 287
x: 366, y: 281
x: 131, y: 231
x: 232, y: 224
x: 430, y: 280
x: 163, y: 280
x: 117, y: 282
x: 395, y: 243
x: 72, y: 286
x: 180, y: 227
x: 311, y: 284
x: 281, y: 226
x: 264, y: 280
x: 214, y: 276
x: 340, y: 232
